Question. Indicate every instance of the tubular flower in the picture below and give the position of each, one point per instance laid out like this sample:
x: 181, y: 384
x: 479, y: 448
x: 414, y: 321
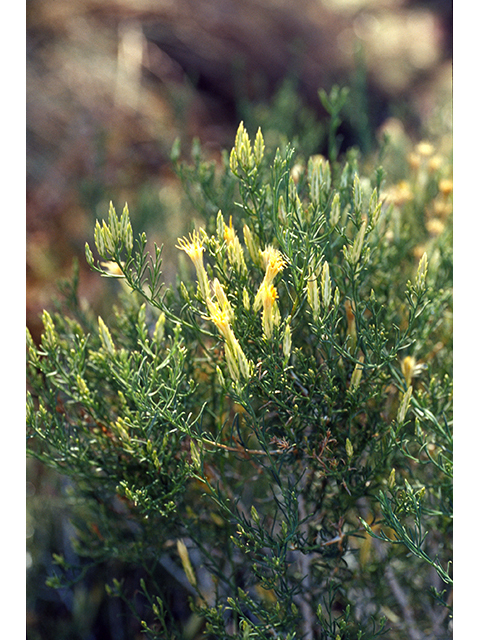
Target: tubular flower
x: 221, y: 319
x: 270, y: 309
x: 237, y: 362
x: 221, y: 297
x: 194, y: 249
x: 274, y: 262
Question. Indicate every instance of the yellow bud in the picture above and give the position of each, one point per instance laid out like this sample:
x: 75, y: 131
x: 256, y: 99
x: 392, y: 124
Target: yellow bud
x: 354, y: 252
x: 282, y: 211
x: 326, y: 285
x: 233, y: 162
x: 357, y: 193
x: 357, y: 374
x: 105, y: 336
x: 234, y: 249
x: 186, y: 564
x: 243, y: 148
x: 335, y: 210
x: 313, y: 297
x: 391, y: 480
x: 258, y: 147
x: 159, y: 331
x: 404, y: 404
x: 251, y: 243
x: 246, y: 299
x: 49, y: 337
x: 197, y: 463
x: 420, y: 278
x: 99, y: 241
x: 349, y: 448
x: 220, y: 226
x: 222, y: 299
x: 82, y: 386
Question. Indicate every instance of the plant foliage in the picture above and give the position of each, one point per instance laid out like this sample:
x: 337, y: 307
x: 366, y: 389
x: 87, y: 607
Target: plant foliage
x: 270, y: 436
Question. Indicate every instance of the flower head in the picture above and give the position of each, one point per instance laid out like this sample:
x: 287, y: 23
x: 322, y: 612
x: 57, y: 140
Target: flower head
x: 194, y: 249
x: 273, y: 262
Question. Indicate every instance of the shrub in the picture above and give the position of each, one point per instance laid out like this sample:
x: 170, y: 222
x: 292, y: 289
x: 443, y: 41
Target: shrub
x: 270, y: 437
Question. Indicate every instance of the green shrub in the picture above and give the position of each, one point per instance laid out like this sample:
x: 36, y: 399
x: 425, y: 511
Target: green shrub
x: 269, y: 439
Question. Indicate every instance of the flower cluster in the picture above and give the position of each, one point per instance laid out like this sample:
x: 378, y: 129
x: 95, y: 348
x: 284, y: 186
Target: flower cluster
x: 220, y: 311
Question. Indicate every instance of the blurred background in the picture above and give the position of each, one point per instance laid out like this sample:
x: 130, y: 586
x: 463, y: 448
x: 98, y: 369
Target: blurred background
x: 112, y: 83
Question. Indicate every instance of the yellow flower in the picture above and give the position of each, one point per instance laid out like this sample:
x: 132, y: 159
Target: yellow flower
x: 194, y: 249
x: 221, y: 297
x: 229, y: 233
x: 269, y: 317
x: 113, y: 268
x: 424, y: 149
x: 435, y: 227
x: 399, y: 194
x: 237, y: 362
x: 273, y: 262
x: 221, y: 319
x: 357, y: 374
x: 408, y: 366
x: 435, y: 163
x: 445, y: 186
x: 411, y: 368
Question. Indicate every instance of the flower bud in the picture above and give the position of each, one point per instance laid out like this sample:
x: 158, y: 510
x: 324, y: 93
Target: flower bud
x: 404, y: 404
x: 186, y: 564
x: 421, y: 275
x: 105, y: 336
x: 335, y: 210
x: 349, y: 448
x: 326, y: 285
x: 258, y: 147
